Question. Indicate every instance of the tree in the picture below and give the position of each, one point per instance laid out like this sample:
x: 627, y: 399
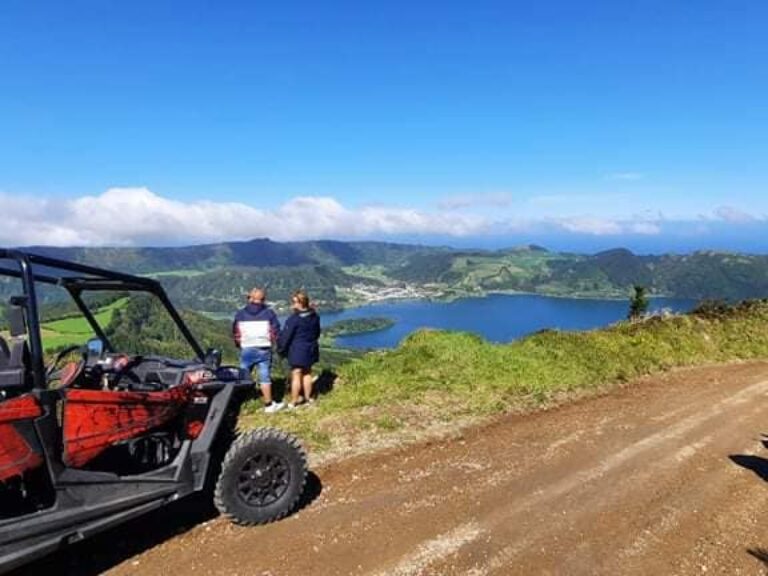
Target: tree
x: 638, y: 303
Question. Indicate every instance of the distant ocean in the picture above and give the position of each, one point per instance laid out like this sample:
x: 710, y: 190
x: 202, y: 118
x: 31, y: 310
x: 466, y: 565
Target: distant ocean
x: 497, y: 317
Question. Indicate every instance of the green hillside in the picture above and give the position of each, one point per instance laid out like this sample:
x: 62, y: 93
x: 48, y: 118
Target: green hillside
x: 223, y: 291
x: 437, y: 377
x: 143, y: 326
x: 702, y: 275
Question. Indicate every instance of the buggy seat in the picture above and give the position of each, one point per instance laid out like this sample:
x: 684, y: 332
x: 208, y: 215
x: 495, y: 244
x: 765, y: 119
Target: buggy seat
x: 13, y: 368
x: 14, y: 354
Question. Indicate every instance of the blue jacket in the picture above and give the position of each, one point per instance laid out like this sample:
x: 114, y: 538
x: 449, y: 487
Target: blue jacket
x: 255, y: 326
x: 299, y: 339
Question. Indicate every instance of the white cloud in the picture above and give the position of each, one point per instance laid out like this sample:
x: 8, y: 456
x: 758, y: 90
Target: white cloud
x: 733, y: 215
x: 644, y: 228
x: 138, y: 216
x: 592, y: 226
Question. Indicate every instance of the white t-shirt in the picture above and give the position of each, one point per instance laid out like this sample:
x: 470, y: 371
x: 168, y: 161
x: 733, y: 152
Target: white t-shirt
x: 255, y: 334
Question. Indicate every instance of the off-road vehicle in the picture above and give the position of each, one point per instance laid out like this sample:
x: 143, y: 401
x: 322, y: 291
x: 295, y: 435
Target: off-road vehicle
x: 99, y: 436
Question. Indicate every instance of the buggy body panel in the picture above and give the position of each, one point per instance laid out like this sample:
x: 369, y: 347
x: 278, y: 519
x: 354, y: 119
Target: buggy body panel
x: 19, y: 447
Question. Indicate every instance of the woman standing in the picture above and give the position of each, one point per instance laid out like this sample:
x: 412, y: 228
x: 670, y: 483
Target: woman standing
x: 298, y: 342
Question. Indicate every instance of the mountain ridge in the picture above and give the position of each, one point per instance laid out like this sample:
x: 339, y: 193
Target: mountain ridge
x: 214, y: 277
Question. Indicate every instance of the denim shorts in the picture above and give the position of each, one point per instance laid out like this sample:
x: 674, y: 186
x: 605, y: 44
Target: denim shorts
x: 260, y: 357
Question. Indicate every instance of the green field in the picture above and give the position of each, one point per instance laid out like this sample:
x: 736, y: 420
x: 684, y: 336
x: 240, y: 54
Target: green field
x: 375, y: 272
x: 76, y: 330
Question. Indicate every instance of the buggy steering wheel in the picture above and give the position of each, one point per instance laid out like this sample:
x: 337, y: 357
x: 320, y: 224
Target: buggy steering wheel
x: 68, y: 373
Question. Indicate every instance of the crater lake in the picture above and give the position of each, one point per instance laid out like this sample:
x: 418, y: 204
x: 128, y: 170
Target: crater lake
x: 496, y: 317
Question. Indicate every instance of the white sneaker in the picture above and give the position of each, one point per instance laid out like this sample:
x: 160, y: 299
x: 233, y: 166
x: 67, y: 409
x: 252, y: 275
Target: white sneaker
x: 274, y: 407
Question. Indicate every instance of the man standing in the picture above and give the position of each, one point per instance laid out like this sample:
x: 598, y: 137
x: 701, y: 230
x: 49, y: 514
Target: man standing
x: 255, y: 330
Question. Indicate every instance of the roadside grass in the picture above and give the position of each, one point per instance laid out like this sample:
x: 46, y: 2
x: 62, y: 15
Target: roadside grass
x: 442, y: 380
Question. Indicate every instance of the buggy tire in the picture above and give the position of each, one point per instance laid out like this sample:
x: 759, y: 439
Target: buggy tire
x: 262, y: 477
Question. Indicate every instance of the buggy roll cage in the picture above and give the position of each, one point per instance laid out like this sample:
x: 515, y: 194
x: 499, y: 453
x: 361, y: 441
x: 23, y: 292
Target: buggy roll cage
x: 75, y: 279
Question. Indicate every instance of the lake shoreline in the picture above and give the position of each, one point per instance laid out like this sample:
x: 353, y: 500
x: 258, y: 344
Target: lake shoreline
x: 498, y: 317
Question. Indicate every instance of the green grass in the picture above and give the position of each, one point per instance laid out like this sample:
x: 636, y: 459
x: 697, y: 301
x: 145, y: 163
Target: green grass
x: 437, y: 377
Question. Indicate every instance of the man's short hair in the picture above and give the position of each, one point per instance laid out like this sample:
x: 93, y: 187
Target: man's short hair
x: 257, y: 295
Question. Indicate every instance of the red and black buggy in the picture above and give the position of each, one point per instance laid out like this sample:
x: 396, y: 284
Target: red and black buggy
x: 100, y: 436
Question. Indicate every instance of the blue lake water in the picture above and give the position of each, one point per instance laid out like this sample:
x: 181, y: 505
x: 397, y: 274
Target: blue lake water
x: 498, y: 317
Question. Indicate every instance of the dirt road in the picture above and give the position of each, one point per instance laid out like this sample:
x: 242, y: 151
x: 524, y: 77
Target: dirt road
x: 666, y: 476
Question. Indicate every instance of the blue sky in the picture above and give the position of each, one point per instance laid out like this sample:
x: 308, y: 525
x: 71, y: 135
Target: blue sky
x: 485, y: 123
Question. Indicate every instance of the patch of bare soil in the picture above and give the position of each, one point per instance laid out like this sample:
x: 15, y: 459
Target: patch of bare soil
x: 667, y: 476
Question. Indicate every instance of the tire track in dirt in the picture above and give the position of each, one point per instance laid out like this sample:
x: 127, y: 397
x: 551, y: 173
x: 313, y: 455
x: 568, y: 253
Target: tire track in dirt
x: 664, y: 476
x: 584, y: 495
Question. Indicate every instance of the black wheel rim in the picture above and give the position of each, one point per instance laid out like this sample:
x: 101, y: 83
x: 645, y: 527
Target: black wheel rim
x: 263, y: 479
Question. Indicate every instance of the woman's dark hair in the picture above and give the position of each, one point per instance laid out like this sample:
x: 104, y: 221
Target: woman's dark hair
x: 301, y: 298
